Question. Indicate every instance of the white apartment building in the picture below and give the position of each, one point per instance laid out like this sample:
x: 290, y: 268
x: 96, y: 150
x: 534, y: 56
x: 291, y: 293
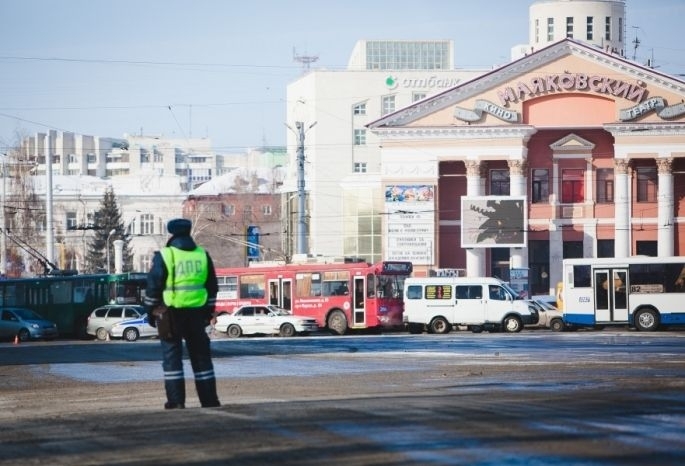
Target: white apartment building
x: 151, y: 177
x: 345, y: 199
x: 146, y: 204
x: 77, y: 154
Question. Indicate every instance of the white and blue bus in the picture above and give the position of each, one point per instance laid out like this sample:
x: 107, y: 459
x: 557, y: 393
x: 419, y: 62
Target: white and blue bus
x: 641, y: 292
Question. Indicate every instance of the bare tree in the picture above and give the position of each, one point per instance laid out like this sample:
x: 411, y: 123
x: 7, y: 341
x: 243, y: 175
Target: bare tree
x: 24, y: 215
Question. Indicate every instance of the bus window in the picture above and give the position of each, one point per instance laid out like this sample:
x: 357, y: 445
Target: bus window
x: 336, y: 283
x: 469, y: 292
x: 414, y: 292
x: 581, y: 276
x: 620, y: 297
x: 308, y: 284
x: 371, y: 285
x: 60, y: 292
x: 387, y: 287
x: 359, y: 294
x: 252, y: 286
x: 679, y: 282
x: 496, y: 292
x: 273, y: 293
x: 601, y: 289
x: 287, y: 303
x: 228, y: 287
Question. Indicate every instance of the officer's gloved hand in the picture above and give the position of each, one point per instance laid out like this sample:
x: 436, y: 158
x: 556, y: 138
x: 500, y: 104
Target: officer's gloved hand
x: 151, y: 320
x: 210, y: 318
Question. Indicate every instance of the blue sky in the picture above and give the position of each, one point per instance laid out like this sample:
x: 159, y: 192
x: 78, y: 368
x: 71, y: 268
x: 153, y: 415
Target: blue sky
x: 220, y: 68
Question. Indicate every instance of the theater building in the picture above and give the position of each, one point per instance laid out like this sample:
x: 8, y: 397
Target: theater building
x: 569, y: 151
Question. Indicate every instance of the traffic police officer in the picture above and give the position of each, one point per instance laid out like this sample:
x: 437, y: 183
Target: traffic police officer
x: 182, y: 279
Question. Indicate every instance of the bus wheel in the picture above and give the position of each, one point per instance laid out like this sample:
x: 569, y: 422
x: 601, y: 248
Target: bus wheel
x: 647, y: 320
x: 440, y: 325
x: 234, y: 331
x: 337, y: 323
x: 415, y: 329
x: 557, y: 325
x: 512, y: 324
x: 287, y: 330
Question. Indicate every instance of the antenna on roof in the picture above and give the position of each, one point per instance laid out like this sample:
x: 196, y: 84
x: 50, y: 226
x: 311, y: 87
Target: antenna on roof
x: 636, y: 43
x: 306, y: 60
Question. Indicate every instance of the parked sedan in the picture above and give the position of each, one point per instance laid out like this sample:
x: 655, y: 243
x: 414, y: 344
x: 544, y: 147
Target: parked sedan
x: 265, y: 320
x: 550, y: 316
x: 132, y: 329
x: 25, y: 324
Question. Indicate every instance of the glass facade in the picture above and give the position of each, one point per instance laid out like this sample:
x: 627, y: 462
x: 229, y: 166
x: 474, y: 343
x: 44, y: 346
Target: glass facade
x: 408, y: 55
x: 363, y: 223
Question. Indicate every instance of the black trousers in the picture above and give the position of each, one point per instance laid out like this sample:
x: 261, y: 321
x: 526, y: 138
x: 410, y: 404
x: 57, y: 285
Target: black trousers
x: 189, y: 326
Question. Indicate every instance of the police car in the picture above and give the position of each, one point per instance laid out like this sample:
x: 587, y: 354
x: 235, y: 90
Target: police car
x: 132, y: 329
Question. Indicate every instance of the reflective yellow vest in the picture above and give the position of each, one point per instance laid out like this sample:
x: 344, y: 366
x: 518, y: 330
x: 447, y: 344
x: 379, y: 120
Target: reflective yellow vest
x: 186, y: 277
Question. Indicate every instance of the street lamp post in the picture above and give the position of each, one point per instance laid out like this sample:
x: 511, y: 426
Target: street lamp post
x: 108, y: 238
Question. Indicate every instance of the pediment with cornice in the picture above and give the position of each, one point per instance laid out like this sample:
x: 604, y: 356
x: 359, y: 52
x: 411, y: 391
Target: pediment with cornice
x: 564, y: 69
x: 572, y: 143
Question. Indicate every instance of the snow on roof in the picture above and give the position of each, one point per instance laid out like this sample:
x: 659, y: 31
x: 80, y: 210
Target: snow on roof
x: 129, y: 185
x: 266, y: 179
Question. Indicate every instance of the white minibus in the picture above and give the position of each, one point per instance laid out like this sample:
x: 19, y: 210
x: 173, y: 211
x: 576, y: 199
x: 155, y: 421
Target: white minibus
x: 439, y: 304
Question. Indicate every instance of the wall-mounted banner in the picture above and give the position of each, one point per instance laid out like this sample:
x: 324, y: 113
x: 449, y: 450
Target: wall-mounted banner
x: 410, y: 223
x: 493, y: 221
x: 409, y: 193
x: 519, y: 281
x: 655, y: 104
x: 484, y: 106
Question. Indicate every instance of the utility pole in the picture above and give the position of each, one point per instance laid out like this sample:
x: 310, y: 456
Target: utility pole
x: 301, y: 238
x: 299, y: 131
x: 49, y: 234
x: 301, y: 221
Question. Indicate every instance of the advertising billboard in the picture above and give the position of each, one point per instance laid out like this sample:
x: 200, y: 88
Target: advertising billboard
x: 410, y: 223
x: 252, y: 242
x: 493, y: 222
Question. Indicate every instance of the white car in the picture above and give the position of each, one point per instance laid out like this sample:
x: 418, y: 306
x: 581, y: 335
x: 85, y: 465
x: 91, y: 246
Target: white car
x: 132, y: 329
x: 265, y: 320
x: 550, y: 316
x: 100, y: 321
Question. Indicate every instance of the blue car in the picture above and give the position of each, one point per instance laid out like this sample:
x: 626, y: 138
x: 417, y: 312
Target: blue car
x: 25, y: 324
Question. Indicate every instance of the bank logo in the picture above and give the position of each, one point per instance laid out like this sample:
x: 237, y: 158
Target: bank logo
x: 391, y: 82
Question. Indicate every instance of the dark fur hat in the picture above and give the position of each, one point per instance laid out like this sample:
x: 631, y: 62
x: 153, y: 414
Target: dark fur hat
x: 179, y: 227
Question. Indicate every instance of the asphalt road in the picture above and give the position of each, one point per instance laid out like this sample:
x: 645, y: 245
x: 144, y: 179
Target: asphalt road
x: 538, y: 397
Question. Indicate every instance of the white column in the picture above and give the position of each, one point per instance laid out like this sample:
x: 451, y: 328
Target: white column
x: 589, y: 224
x: 665, y: 227
x: 622, y: 209
x: 517, y: 187
x: 475, y: 257
x: 556, y: 255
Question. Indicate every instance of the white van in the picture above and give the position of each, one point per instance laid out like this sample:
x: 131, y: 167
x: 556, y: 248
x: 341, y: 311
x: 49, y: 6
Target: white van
x: 438, y: 304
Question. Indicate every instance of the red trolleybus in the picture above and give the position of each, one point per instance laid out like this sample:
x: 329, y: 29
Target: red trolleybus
x: 340, y: 296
